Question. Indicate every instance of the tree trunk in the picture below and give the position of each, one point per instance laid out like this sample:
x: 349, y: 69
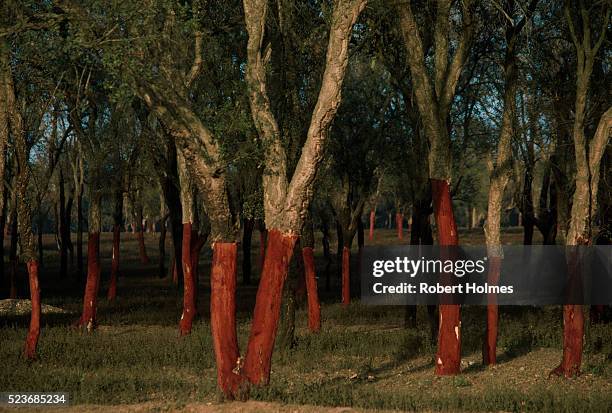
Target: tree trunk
x: 223, y: 318
x: 162, y: 248
x: 79, y: 240
x: 263, y: 236
x: 62, y: 226
x: 489, y: 349
x: 13, y: 259
x: 399, y: 224
x: 142, y: 249
x: 448, y: 357
x: 258, y: 360
x: 372, y: 224
x: 314, y: 307
x: 39, y: 236
x: 2, y: 235
x: 326, y: 253
x: 34, y: 329
x: 88, y: 318
x: 247, y: 236
x: 112, y: 287
x: 346, y: 275
x: 189, y: 283
x: 115, y: 259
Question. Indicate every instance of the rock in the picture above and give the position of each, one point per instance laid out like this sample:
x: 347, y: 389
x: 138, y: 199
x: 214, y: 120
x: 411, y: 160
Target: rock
x: 15, y: 307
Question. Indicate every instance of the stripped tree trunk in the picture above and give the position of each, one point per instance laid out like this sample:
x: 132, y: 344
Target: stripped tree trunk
x: 286, y: 202
x: 434, y: 95
x: 14, y: 121
x: 499, y: 175
x: 588, y: 159
x: 223, y: 318
x: 187, y: 203
x: 88, y: 318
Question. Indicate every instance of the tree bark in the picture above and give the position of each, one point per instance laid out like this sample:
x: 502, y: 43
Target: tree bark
x: 223, y: 318
x: 88, y: 318
x: 346, y: 275
x: 448, y: 357
x: 399, y: 225
x: 62, y: 226
x: 267, y: 306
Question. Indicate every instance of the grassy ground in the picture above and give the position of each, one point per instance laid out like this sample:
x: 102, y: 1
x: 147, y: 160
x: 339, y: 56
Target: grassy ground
x: 363, y: 358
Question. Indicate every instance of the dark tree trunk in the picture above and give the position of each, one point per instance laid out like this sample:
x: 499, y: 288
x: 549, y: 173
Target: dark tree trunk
x: 79, y: 240
x: 142, y: 248
x: 247, y: 236
x: 346, y: 275
x: 326, y: 253
x: 41, y: 251
x: 189, y: 283
x: 372, y: 224
x: 13, y: 260
x: 175, y: 213
x: 528, y: 211
x: 62, y: 227
x: 2, y: 230
x: 339, y: 249
x: 162, y: 248
x: 263, y: 237
x: 117, y: 225
x: 68, y: 230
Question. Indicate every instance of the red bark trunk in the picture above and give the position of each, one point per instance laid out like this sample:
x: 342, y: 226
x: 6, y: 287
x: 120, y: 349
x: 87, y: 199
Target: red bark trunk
x: 399, y: 223
x: 174, y: 270
x: 314, y: 307
x: 448, y: 357
x: 573, y: 331
x: 258, y: 360
x: 34, y: 330
x: 372, y: 223
x: 112, y: 287
x: 346, y: 276
x: 573, y: 323
x: 489, y: 349
x: 144, y: 258
x: 90, y: 299
x: 263, y: 237
x: 223, y: 317
x: 188, y: 284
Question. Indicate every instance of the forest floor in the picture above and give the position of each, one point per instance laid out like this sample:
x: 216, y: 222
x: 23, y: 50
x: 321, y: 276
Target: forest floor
x: 363, y: 359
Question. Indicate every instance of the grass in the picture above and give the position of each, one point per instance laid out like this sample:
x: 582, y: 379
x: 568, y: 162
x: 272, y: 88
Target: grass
x: 363, y: 358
